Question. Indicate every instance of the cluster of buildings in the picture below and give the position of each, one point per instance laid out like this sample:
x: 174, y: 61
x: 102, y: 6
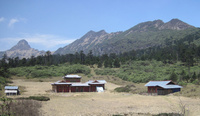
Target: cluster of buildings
x: 72, y: 83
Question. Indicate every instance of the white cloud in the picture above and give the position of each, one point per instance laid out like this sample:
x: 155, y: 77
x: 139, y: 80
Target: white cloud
x: 38, y: 41
x: 2, y: 19
x: 12, y: 22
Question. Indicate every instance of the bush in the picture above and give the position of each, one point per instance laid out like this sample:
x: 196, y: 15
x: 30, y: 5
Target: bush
x: 123, y: 89
x: 11, y: 107
x: 38, y: 98
x: 168, y: 114
x: 182, y: 83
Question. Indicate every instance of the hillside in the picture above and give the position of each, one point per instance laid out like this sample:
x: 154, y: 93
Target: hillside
x: 87, y: 42
x: 141, y: 36
x: 22, y: 50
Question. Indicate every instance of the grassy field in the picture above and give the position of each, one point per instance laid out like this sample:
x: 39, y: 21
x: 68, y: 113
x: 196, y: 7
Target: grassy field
x: 104, y: 104
x: 132, y: 75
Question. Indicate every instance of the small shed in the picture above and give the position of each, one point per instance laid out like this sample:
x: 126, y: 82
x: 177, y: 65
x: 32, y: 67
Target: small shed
x: 12, y: 90
x: 162, y: 87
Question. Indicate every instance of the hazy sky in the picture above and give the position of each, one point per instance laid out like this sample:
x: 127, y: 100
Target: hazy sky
x: 50, y: 24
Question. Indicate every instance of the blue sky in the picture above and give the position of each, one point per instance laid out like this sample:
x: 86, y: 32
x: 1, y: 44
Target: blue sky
x: 50, y: 24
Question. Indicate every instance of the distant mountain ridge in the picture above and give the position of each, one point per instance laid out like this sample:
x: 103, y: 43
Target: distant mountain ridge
x: 87, y: 42
x: 22, y: 50
x: 143, y: 35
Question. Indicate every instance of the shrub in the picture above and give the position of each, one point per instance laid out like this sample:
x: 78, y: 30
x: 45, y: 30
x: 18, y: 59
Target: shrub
x: 39, y: 98
x: 168, y: 114
x: 123, y: 89
x: 11, y: 107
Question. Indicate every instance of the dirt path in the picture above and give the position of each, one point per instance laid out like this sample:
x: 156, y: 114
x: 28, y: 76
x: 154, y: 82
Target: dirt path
x: 107, y: 103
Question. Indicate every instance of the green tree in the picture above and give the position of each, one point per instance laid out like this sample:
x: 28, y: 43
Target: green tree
x: 194, y: 77
x: 4, y: 69
x: 116, y: 63
x: 105, y: 63
x: 99, y: 64
x: 82, y: 57
x: 48, y: 57
x: 173, y: 76
x: 182, y: 75
x: 90, y: 58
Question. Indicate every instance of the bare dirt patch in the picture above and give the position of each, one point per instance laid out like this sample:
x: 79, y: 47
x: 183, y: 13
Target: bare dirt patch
x: 106, y: 103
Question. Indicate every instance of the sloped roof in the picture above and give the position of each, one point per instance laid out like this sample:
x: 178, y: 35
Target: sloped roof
x: 60, y: 83
x: 96, y: 82
x: 163, y: 84
x: 156, y: 83
x: 171, y: 86
x: 11, y: 87
x: 72, y: 76
x: 79, y: 84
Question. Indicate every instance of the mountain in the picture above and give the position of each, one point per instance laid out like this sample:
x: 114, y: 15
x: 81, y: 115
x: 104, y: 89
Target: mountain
x: 141, y: 36
x: 87, y: 42
x: 22, y: 50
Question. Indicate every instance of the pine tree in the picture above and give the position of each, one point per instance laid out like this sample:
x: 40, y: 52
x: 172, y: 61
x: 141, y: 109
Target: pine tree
x: 99, y: 64
x: 173, y: 77
x: 116, y: 63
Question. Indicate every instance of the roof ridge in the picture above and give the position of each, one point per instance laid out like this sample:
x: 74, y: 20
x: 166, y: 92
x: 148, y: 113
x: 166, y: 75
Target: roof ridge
x: 164, y: 80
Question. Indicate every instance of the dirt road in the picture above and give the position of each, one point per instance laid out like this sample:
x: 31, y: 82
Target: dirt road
x: 107, y: 103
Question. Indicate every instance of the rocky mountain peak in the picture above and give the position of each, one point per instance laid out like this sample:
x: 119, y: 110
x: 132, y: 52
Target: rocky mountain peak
x: 157, y: 23
x: 21, y: 45
x: 175, y: 24
x: 93, y: 34
x: 22, y: 50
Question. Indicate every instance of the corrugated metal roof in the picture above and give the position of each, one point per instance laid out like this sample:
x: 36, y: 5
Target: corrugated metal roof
x: 11, y: 87
x: 79, y: 84
x: 157, y: 83
x: 162, y: 84
x: 170, y: 86
x: 72, y: 76
x: 60, y: 83
x: 96, y: 82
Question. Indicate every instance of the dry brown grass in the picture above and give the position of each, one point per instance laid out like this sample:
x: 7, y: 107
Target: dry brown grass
x: 107, y: 103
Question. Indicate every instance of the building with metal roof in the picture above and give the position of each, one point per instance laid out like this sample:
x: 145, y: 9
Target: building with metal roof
x: 11, y: 90
x: 72, y: 78
x: 162, y: 87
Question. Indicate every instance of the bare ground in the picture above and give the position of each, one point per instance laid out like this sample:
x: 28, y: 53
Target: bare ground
x: 107, y: 103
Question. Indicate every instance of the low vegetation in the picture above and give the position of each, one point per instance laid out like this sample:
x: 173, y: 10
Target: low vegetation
x: 49, y: 71
x: 168, y: 114
x: 190, y: 90
x: 11, y: 107
x: 123, y: 89
x: 38, y: 98
x: 144, y: 71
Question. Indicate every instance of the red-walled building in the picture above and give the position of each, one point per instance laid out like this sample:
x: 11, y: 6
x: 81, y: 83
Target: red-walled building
x: 162, y: 87
x: 73, y: 84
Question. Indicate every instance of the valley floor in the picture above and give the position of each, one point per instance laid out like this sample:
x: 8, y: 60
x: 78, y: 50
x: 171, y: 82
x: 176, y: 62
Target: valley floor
x: 106, y: 103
